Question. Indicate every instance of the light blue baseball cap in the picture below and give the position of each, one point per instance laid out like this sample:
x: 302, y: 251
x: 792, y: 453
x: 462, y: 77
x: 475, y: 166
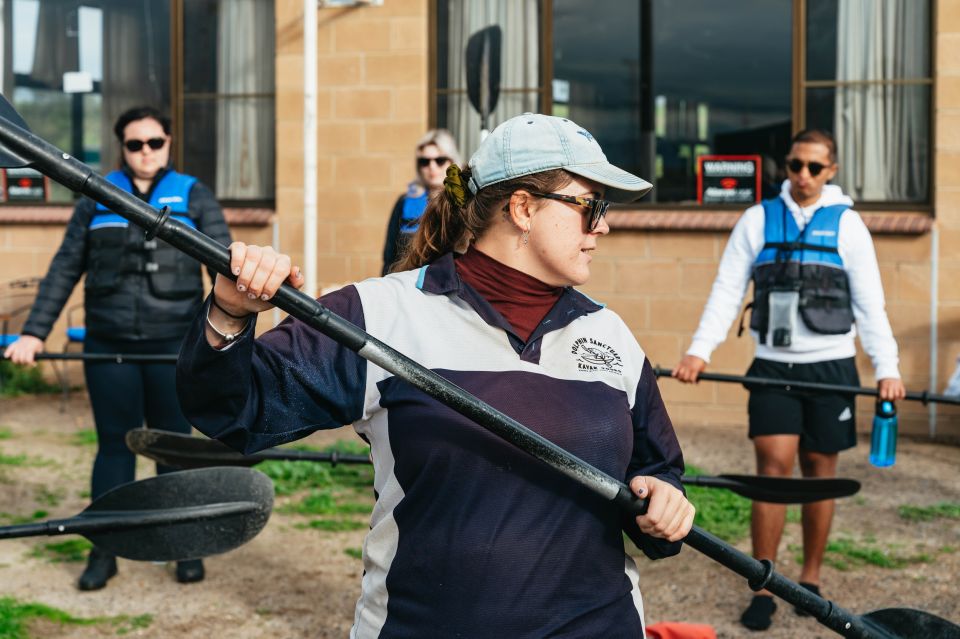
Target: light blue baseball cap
x: 533, y: 142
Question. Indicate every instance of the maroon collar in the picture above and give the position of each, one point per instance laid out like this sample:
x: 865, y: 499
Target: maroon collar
x: 523, y: 300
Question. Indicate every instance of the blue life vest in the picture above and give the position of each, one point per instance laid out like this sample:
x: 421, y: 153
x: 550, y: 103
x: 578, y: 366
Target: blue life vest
x: 807, y: 261
x: 413, y: 207
x: 116, y: 250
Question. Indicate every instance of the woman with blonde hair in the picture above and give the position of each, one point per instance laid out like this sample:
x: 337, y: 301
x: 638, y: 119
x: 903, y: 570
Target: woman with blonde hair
x: 470, y: 536
x: 436, y: 150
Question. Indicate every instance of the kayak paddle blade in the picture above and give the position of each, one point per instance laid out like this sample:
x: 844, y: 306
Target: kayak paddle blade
x: 207, y: 534
x: 780, y: 490
x: 183, y: 451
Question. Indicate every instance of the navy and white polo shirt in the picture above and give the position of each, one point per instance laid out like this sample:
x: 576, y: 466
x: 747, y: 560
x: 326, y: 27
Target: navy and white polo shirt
x: 469, y: 536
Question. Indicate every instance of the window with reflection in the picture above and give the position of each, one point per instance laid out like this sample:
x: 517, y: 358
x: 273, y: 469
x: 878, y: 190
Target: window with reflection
x: 73, y: 66
x: 869, y: 81
x: 520, y: 22
x: 227, y: 108
x: 597, y: 73
x: 721, y: 84
x: 658, y: 87
x: 70, y: 67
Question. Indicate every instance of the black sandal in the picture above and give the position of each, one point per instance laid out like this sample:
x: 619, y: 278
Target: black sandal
x: 758, y: 614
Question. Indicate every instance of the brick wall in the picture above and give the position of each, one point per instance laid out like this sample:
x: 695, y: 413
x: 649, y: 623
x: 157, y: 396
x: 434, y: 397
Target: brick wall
x: 371, y: 109
x: 947, y: 197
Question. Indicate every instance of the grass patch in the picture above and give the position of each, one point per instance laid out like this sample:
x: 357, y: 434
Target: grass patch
x: 69, y: 551
x: 356, y: 553
x: 332, y: 525
x: 19, y: 380
x: 291, y: 476
x: 5, y: 432
x: 15, y: 618
x: 126, y: 624
x: 49, y: 497
x: 13, y: 520
x: 943, y: 510
x: 342, y: 495
x: 324, y: 502
x: 23, y: 461
x: 13, y: 460
x: 845, y: 554
x: 84, y: 437
x: 723, y: 513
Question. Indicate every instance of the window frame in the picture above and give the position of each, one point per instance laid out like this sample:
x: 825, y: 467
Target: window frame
x: 179, y: 97
x: 544, y: 91
x: 799, y: 87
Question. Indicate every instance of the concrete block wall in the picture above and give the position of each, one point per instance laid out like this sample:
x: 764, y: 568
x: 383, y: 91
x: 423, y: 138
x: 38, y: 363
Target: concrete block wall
x: 372, y: 108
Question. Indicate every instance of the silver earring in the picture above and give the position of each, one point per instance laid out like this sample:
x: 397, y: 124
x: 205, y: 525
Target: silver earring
x: 525, y: 237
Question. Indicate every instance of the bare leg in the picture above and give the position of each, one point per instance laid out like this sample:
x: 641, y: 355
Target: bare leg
x: 775, y: 457
x: 817, y: 516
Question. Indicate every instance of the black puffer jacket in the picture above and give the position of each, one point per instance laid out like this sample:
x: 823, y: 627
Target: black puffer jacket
x: 131, y: 311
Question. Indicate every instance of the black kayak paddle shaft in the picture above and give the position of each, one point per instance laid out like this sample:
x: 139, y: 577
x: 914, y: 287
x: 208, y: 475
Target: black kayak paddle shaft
x: 770, y: 382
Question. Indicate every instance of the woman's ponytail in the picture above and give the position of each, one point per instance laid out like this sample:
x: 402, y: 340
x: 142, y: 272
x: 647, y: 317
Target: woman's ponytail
x: 443, y: 225
x: 456, y: 216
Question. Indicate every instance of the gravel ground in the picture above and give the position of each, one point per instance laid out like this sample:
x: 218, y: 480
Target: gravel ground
x: 293, y: 583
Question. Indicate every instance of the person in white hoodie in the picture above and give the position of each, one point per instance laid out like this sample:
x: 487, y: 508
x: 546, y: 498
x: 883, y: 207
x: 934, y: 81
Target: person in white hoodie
x: 816, y: 285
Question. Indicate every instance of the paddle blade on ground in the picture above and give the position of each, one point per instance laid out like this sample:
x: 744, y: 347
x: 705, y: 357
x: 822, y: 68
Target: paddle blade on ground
x: 183, y: 515
x: 780, y: 490
x: 182, y: 451
x: 214, y: 527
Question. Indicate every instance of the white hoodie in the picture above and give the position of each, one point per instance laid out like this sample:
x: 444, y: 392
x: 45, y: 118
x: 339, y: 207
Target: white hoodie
x: 866, y: 292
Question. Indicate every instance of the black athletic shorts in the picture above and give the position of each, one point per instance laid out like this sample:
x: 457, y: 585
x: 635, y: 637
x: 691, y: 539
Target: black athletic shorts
x: 826, y: 422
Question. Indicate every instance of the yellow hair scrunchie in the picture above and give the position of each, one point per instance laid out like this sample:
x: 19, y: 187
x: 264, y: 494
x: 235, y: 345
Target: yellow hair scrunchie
x: 454, y: 187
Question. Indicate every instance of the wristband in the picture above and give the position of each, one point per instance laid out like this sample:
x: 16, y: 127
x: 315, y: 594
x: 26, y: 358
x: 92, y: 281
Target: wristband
x: 227, y: 337
x: 213, y: 298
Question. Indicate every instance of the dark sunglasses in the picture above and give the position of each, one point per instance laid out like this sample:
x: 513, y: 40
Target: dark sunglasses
x: 135, y: 145
x: 795, y: 166
x: 597, y: 208
x: 440, y: 161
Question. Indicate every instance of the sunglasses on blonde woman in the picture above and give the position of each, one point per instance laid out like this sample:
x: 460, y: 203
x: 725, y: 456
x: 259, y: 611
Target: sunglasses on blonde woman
x: 596, y: 208
x: 440, y: 161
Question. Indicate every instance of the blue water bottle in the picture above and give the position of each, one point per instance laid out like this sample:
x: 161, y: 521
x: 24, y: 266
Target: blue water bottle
x: 883, y: 439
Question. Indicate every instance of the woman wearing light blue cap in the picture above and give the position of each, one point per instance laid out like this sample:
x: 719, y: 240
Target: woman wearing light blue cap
x: 471, y: 537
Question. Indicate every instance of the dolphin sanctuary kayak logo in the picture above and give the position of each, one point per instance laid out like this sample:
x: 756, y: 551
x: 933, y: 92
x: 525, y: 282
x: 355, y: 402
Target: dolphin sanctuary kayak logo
x: 593, y: 355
